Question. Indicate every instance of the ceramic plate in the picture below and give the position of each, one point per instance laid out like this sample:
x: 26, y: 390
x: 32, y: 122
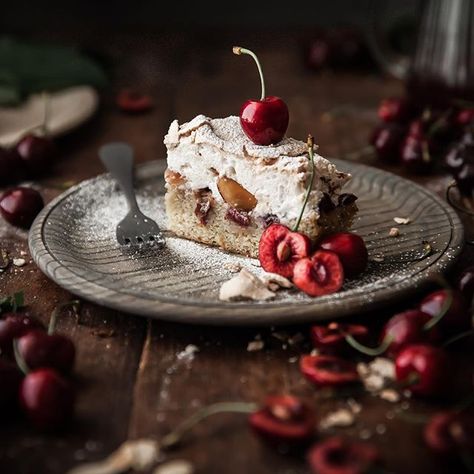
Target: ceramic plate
x: 69, y: 108
x: 73, y: 242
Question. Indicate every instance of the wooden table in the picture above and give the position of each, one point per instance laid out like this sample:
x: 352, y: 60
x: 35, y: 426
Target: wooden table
x: 128, y: 380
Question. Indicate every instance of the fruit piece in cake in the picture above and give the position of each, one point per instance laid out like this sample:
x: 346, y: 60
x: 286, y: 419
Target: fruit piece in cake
x: 244, y: 184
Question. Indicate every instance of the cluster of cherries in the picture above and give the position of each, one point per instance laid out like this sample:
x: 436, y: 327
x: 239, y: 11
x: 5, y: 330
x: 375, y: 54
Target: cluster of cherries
x: 420, y: 139
x: 421, y: 367
x: 34, y: 369
x: 289, y: 254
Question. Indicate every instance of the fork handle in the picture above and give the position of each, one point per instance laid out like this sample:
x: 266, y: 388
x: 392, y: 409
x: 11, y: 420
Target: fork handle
x: 117, y: 157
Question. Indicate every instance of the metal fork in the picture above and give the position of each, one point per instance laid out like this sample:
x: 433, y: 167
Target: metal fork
x: 135, y: 228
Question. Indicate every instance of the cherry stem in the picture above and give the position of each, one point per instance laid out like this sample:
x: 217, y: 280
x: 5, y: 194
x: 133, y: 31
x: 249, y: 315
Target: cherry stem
x: 370, y: 351
x: 175, y: 436
x: 459, y: 336
x: 55, y: 314
x: 238, y: 50
x: 310, y: 143
x: 20, y: 361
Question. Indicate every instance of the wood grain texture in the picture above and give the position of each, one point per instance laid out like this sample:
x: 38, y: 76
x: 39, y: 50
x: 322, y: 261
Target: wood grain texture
x: 126, y: 390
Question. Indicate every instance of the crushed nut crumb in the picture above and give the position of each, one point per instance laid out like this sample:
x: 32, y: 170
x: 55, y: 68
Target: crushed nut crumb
x: 402, y: 220
x: 19, y: 262
x: 254, y: 346
x: 394, y: 232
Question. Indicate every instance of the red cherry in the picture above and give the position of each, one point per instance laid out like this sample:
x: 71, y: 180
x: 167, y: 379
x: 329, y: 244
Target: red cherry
x: 279, y: 249
x: 464, y: 117
x: 264, y: 121
x: 10, y: 379
x: 40, y: 349
x: 134, y: 102
x: 13, y: 326
x: 11, y: 167
x: 319, y: 275
x: 37, y: 153
x: 465, y: 284
x: 408, y: 328
x: 425, y: 369
x: 395, y: 109
x: 450, y: 433
x: 327, y: 370
x: 47, y: 398
x: 19, y: 206
x: 351, y: 250
x: 387, y: 139
x: 284, y: 419
x: 457, y: 318
x: 337, y: 455
x: 331, y: 338
x: 316, y: 53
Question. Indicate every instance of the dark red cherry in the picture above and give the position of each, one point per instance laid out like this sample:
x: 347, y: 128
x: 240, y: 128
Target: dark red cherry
x: 465, y: 284
x: 408, y: 328
x: 338, y: 455
x: 456, y: 319
x: 37, y: 153
x: 11, y: 167
x: 351, y: 250
x: 284, y: 419
x: 316, y: 53
x: 416, y: 156
x: 13, y: 326
x: 387, y: 139
x: 465, y: 117
x: 331, y: 338
x: 10, y: 379
x: 19, y: 206
x: 450, y: 433
x: 328, y: 370
x: 423, y: 370
x: 40, y: 349
x: 47, y: 398
x: 395, y: 109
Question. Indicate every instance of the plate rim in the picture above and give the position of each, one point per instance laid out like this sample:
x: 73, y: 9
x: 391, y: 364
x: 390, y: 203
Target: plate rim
x: 226, y: 314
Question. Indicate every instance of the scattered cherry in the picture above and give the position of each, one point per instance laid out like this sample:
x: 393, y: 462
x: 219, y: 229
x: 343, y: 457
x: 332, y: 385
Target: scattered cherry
x: 332, y: 337
x: 19, y: 206
x: 280, y: 248
x: 328, y: 370
x: 40, y: 349
x: 351, y: 250
x: 424, y: 369
x: 465, y: 117
x: 37, y: 153
x: 465, y: 284
x: 13, y: 326
x: 47, y: 398
x: 10, y: 379
x: 387, y: 139
x: 408, y: 328
x: 337, y: 455
x: 134, y: 102
x: 284, y: 419
x: 11, y: 166
x: 395, y: 109
x: 320, y: 274
x: 264, y: 121
x: 450, y: 433
x: 457, y: 318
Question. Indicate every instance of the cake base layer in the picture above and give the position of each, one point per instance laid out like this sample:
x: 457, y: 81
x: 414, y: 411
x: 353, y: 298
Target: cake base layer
x: 220, y: 230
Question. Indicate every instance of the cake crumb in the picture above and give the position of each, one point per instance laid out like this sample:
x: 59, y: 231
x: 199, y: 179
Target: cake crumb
x: 394, y: 232
x: 19, y: 262
x: 390, y: 395
x: 244, y: 285
x: 339, y: 418
x: 254, y: 346
x: 402, y: 220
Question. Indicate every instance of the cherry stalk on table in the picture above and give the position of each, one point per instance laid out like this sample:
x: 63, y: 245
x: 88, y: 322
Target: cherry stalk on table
x: 264, y: 121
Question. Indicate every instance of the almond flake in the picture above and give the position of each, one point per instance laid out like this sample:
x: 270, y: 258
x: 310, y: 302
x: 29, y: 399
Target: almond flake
x: 402, y: 220
x: 394, y: 232
x: 272, y: 279
x: 254, y: 346
x: 232, y: 267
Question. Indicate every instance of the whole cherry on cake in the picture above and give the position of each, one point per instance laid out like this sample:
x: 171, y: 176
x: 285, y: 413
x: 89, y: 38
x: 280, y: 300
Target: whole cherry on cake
x: 264, y: 121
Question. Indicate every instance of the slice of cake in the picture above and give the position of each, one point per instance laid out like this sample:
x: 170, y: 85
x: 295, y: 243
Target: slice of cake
x: 224, y: 190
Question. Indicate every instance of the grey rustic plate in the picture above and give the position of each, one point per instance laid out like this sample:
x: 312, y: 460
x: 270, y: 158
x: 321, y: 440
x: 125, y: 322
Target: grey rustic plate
x: 73, y: 243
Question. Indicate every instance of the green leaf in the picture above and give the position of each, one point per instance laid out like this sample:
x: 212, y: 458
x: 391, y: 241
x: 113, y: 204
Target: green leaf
x: 26, y: 68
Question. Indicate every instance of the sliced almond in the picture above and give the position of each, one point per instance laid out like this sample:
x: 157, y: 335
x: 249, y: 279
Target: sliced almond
x: 173, y: 177
x: 236, y: 195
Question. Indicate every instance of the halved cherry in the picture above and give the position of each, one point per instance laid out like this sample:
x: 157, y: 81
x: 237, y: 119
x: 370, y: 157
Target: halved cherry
x: 133, y: 102
x: 332, y: 337
x: 284, y: 419
x: 280, y: 248
x: 408, y: 328
x: 457, y: 317
x: 327, y: 370
x: 319, y: 275
x: 450, y: 433
x: 351, y: 250
x: 337, y: 455
x: 423, y: 369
